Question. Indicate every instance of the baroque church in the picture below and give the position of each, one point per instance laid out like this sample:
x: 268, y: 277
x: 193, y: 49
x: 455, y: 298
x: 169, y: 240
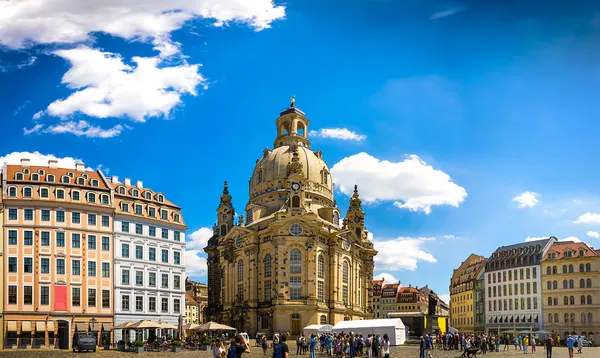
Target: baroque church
x: 293, y: 262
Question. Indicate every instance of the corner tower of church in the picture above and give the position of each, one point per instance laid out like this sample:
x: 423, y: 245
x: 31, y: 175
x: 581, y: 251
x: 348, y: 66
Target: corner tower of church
x: 291, y: 263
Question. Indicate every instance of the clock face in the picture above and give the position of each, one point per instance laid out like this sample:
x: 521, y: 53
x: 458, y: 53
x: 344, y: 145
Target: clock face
x: 295, y: 186
x: 238, y: 242
x: 356, y: 219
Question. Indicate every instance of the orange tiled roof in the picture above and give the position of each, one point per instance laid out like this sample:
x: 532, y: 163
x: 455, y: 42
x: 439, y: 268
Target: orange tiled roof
x: 190, y: 299
x: 128, y: 191
x: 391, y: 285
x: 560, y: 247
x: 378, y: 282
x: 409, y: 290
x: 12, y: 170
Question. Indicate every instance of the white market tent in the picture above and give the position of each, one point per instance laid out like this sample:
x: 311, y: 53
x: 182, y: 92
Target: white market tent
x: 394, y: 327
x: 317, y: 329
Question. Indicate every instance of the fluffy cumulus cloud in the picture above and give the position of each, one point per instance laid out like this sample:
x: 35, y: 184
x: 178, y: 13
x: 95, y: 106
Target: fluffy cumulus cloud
x: 402, y: 253
x: 445, y: 297
x: 527, y: 199
x: 338, y: 133
x: 588, y: 218
x: 37, y: 158
x: 198, y: 239
x: 535, y: 238
x: 412, y: 184
x: 195, y: 265
x: 594, y: 234
x: 387, y: 277
x: 570, y: 238
x: 78, y: 128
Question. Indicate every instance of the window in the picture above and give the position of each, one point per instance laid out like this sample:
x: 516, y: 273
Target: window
x: 152, y: 254
x: 240, y: 271
x: 336, y: 218
x: 122, y: 191
x: 165, y: 305
x: 44, y: 193
x: 125, y: 303
x: 565, y: 284
x: 268, y: 262
x: 105, y: 221
x: 139, y: 303
x: 125, y: 226
x: 45, y: 265
x: 565, y: 300
x: 12, y: 192
x: 104, y: 199
x: 176, y: 257
x: 28, y: 214
x: 139, y: 252
x: 583, y: 317
x: 588, y: 283
x: 50, y: 178
x: 124, y: 250
x: 60, y: 216
x: 164, y: 233
x: 75, y: 195
x: 555, y: 285
x: 581, y: 269
x: 92, y: 268
x: 176, y: 305
x: 105, y: 269
x: 92, y: 242
x: 588, y: 267
x: 76, y: 296
x: 165, y: 256
x: 164, y: 214
x: 44, y: 295
x: 105, y: 243
x: 76, y: 267
x: 160, y: 198
x: 572, y: 300
x: 589, y: 318
x: 75, y: 218
x: 28, y: 265
x: 139, y: 229
x: 176, y: 217
x: 554, y: 270
x: 45, y: 215
x: 105, y: 299
x: 12, y: 264
x: 148, y: 196
x: 176, y: 281
x: 535, y: 287
x: 151, y: 212
x: 321, y: 291
x: 80, y: 181
x: 27, y: 295
x: 139, y: 278
x: 570, y: 268
x: 134, y: 193
x: 12, y: 295
x: 152, y: 304
x: 165, y: 280
x: 177, y: 235
x: 267, y: 290
x: 152, y: 279
x: 345, y: 281
x: 589, y: 300
x: 138, y: 209
x: 152, y: 231
x: 91, y: 198
x: 92, y: 219
x: 549, y: 301
x: 45, y: 238
x: 35, y: 177
x: 95, y: 182
x: 60, y: 266
x: 60, y: 194
x: 295, y: 261
x: 571, y: 284
x: 27, y: 192
x: 12, y: 214
x: 549, y: 317
x: 75, y: 241
x: 65, y: 180
x: 125, y: 277
x: 91, y: 297
x: 60, y: 238
x: 295, y: 288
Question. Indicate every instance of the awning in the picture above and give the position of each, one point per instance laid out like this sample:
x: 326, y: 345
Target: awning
x: 12, y: 326
x: 25, y: 326
x: 40, y: 326
x: 50, y: 326
x: 93, y: 327
x: 80, y: 327
x: 107, y: 326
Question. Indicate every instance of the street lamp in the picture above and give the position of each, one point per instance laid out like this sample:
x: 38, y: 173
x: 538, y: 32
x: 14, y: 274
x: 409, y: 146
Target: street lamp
x: 92, y: 325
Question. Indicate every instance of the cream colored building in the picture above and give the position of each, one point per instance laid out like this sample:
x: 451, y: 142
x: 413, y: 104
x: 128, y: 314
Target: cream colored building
x: 58, y: 254
x: 292, y: 263
x: 571, y: 290
x: 376, y: 292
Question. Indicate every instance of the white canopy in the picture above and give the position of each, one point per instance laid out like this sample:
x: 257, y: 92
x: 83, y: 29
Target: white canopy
x: 394, y: 327
x: 317, y: 329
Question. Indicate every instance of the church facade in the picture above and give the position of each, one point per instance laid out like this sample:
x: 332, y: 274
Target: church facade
x: 293, y: 261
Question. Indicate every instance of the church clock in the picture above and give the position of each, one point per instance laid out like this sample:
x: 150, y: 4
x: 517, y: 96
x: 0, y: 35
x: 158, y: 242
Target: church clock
x: 356, y: 219
x: 296, y: 186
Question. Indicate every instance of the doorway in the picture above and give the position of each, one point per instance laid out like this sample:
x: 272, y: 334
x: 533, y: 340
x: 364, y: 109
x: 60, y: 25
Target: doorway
x: 295, y: 324
x: 63, y: 335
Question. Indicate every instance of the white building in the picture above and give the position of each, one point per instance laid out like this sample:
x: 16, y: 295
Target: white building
x: 513, y: 291
x: 149, y: 256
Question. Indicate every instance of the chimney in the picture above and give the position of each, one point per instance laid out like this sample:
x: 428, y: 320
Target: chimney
x: 127, y: 181
x: 79, y: 167
x: 24, y: 162
x: 139, y: 184
x: 53, y: 164
x: 114, y: 179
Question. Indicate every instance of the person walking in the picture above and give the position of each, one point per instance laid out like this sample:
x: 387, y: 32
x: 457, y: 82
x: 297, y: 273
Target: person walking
x: 264, y: 344
x: 422, y: 348
x: 525, y: 344
x: 570, y: 345
x: 549, y: 344
x: 533, y: 344
x: 579, y: 344
x: 428, y: 347
x: 313, y: 346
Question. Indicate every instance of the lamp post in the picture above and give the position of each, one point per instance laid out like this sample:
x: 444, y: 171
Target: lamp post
x: 93, y: 324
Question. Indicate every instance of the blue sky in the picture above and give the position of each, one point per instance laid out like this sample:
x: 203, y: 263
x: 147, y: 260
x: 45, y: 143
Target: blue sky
x: 464, y: 106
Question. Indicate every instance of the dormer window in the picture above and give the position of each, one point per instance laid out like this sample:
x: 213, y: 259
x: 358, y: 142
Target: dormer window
x: 70, y: 174
x: 80, y: 181
x: 148, y: 196
x: 95, y: 182
x: 581, y: 253
x: 19, y: 176
x: 26, y: 171
x: 151, y: 212
x: 35, y: 177
x: 568, y: 254
x: 124, y: 207
x: 60, y: 194
x: 85, y: 176
x: 91, y: 198
x: 160, y: 198
x: 134, y: 192
x: 176, y: 217
x: 121, y: 190
x: 336, y: 218
x: 41, y: 171
x: 104, y: 199
x: 65, y: 180
x: 75, y: 195
x: 50, y: 178
x: 44, y: 193
x: 138, y: 210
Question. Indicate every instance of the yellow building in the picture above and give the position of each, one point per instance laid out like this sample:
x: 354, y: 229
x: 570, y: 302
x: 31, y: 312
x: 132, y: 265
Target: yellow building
x: 58, y: 240
x: 293, y: 263
x: 571, y: 289
x: 199, y: 292
x: 191, y: 310
x: 462, y: 293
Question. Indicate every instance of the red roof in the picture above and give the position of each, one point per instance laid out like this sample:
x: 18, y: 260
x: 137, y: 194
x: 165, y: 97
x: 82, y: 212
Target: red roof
x: 560, y: 248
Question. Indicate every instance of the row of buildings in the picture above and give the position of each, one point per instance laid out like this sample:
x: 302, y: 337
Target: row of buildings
x: 420, y: 309
x: 546, y: 285
x: 83, y: 252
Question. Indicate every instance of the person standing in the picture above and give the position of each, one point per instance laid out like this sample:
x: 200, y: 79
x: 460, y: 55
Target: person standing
x: 525, y: 344
x: 570, y: 345
x: 313, y: 346
x: 385, y: 346
x: 422, y: 348
x: 549, y: 344
x: 218, y: 349
x: 533, y: 344
x: 579, y: 344
x: 428, y: 346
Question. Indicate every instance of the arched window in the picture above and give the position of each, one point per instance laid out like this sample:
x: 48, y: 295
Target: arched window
x: 565, y: 284
x: 564, y: 269
x: 80, y: 181
x: 556, y: 317
x: 581, y: 268
x: 581, y: 253
x: 589, y: 300
x: 321, y: 267
x: 148, y: 195
x: 583, y: 318
x: 571, y: 284
x: 223, y: 229
x: 12, y: 192
x: 122, y: 191
x: 35, y: 177
x: 295, y: 261
x: 588, y: 267
x: 549, y: 284
x: 268, y: 261
x: 549, y: 301
x: 572, y: 300
x: 44, y: 193
x: 549, y: 317
x: 570, y: 268
x: 240, y: 270
x: 566, y: 318
x: 295, y: 201
x: 555, y: 285
x: 572, y: 317
x: 548, y: 270
x: 19, y: 176
x: 589, y: 283
x: 94, y: 182
x: 259, y: 177
x: 582, y: 300
x: 27, y: 192
x: 554, y: 270
x: 582, y: 283
x: 324, y: 177
x: 566, y: 300
x: 336, y: 218
x: 323, y: 319
x: 590, y: 318
x: 345, y: 281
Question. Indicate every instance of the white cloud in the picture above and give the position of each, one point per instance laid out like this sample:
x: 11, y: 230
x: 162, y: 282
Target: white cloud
x: 446, y: 13
x: 106, y: 87
x: 194, y: 264
x: 588, y: 218
x: 28, y: 22
x: 445, y: 298
x: 411, y: 183
x: 34, y: 129
x: 594, y: 234
x: 338, y: 133
x: 387, y: 277
x: 199, y: 238
x: 402, y: 253
x: 571, y: 238
x: 83, y: 128
x: 448, y: 237
x: 527, y: 199
x: 36, y: 158
x: 535, y: 238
